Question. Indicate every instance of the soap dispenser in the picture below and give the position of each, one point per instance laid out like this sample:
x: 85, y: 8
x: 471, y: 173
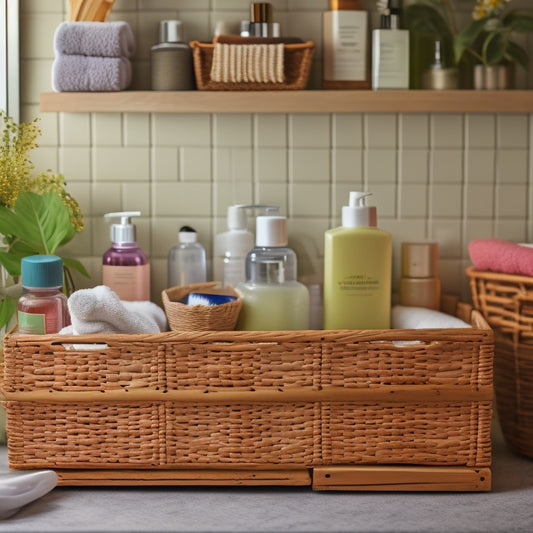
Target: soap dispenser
x: 357, y: 270
x: 125, y: 268
x: 272, y: 298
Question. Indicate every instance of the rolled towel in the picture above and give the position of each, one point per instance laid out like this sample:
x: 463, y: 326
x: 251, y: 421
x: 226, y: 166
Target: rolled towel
x: 404, y: 317
x: 103, y: 39
x: 100, y: 310
x: 498, y: 255
x: 81, y: 73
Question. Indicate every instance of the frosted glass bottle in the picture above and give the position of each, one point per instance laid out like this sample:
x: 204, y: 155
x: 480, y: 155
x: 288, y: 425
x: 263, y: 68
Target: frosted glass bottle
x: 272, y: 299
x: 186, y: 260
x: 357, y: 270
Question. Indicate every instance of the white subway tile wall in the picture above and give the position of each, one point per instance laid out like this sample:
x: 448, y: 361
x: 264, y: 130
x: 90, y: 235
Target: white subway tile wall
x: 448, y: 178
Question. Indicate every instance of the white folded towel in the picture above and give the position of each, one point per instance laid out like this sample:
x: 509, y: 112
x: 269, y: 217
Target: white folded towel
x: 104, y: 39
x: 83, y: 73
x: 100, y: 310
x: 404, y: 317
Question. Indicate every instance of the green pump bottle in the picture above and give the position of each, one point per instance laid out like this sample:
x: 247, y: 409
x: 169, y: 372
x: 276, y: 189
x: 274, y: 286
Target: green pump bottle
x: 357, y: 270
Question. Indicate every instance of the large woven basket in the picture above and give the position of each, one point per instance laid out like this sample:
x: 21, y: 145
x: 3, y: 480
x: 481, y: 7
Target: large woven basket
x: 506, y: 301
x: 298, y: 399
x: 297, y: 66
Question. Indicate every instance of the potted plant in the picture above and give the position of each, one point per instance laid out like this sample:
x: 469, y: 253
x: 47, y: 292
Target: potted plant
x: 485, y: 44
x: 37, y: 214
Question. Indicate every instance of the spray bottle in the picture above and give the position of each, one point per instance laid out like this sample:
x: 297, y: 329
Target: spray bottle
x: 357, y: 270
x: 125, y: 267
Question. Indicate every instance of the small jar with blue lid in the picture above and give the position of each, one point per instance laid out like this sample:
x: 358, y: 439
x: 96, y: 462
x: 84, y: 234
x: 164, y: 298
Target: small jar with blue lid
x: 42, y: 308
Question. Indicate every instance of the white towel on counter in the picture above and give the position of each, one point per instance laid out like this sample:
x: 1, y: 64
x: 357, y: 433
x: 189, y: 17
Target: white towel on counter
x: 85, y: 73
x: 404, y: 317
x: 100, y: 310
x: 104, y: 39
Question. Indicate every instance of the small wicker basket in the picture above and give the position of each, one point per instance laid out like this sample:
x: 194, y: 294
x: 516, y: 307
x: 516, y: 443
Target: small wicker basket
x: 296, y: 69
x: 183, y: 317
x: 506, y: 301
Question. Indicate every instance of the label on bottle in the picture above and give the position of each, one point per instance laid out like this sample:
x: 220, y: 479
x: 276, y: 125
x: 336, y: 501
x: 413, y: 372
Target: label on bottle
x: 131, y: 283
x: 345, y: 45
x: 32, y: 323
x: 361, y: 284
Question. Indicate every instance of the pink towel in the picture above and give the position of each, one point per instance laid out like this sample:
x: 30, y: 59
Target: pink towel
x: 502, y: 256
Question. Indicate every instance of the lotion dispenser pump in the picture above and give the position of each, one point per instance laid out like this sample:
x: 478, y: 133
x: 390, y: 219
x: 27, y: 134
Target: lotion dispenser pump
x: 125, y: 268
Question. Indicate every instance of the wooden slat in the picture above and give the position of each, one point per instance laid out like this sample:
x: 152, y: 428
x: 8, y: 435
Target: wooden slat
x: 309, y: 101
x: 401, y: 478
x: 184, y: 477
x: 383, y: 394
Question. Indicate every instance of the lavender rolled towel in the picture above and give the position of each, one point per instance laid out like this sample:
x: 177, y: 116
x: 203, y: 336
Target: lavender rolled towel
x: 103, y: 39
x: 81, y: 73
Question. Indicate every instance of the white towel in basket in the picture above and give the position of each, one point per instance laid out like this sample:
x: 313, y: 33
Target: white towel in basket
x: 243, y: 63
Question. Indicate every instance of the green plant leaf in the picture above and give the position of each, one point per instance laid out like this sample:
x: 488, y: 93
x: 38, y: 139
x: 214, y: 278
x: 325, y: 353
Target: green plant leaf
x: 517, y: 54
x: 466, y: 38
x: 41, y: 221
x: 518, y: 23
x: 76, y: 265
x: 496, y: 47
x: 8, y: 306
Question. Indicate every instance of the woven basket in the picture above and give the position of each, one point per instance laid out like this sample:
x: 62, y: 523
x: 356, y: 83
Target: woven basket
x: 297, y: 66
x: 297, y: 399
x: 183, y: 317
x: 506, y: 301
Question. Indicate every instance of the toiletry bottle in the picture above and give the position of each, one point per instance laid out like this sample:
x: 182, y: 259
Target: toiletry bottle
x: 437, y: 77
x: 420, y: 284
x: 261, y: 21
x: 42, y: 308
x: 125, y: 267
x: 186, y: 260
x: 272, y: 299
x: 390, y: 51
x: 231, y: 248
x: 357, y: 270
x: 345, y: 35
x: 171, y: 64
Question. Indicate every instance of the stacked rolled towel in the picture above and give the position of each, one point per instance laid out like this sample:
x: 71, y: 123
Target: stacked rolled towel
x: 497, y: 255
x: 92, y: 56
x: 100, y: 310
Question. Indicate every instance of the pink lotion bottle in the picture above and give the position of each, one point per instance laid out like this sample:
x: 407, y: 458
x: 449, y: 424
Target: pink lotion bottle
x: 125, y: 268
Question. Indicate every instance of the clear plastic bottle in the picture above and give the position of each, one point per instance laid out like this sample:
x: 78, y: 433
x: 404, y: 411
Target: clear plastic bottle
x: 42, y: 308
x: 125, y: 268
x: 272, y: 299
x: 186, y: 260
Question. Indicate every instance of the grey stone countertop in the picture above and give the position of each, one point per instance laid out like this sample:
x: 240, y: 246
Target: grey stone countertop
x: 507, y: 508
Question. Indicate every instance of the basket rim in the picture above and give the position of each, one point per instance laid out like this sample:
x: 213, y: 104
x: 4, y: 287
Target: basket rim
x: 288, y: 46
x: 504, y: 276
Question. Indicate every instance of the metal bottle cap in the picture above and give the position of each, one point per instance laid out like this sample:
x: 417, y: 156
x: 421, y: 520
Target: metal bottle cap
x: 170, y: 31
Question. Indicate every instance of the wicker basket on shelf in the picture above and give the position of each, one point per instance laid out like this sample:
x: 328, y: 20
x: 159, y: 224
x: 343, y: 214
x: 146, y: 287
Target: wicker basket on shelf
x: 506, y: 301
x: 296, y: 69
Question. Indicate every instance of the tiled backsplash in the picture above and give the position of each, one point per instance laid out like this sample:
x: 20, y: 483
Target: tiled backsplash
x: 449, y: 178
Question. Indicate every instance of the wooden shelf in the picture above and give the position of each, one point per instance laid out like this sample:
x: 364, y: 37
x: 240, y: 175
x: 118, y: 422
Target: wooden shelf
x: 290, y: 102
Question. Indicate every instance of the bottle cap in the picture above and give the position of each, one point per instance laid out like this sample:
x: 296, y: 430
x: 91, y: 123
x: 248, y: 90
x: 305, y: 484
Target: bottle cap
x: 237, y: 217
x: 187, y: 235
x: 357, y: 214
x: 42, y: 271
x: 271, y: 231
x: 125, y: 231
x: 420, y: 259
x: 351, y: 5
x: 260, y: 12
x: 170, y: 31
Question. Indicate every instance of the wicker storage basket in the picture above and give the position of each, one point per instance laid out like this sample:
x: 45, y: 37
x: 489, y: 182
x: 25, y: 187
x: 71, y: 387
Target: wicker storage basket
x: 296, y: 69
x: 506, y: 301
x: 260, y: 401
x: 183, y: 317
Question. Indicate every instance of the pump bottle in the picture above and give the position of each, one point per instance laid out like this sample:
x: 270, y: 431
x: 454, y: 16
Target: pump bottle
x: 357, y: 270
x: 125, y: 267
x: 272, y: 298
x: 186, y: 260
